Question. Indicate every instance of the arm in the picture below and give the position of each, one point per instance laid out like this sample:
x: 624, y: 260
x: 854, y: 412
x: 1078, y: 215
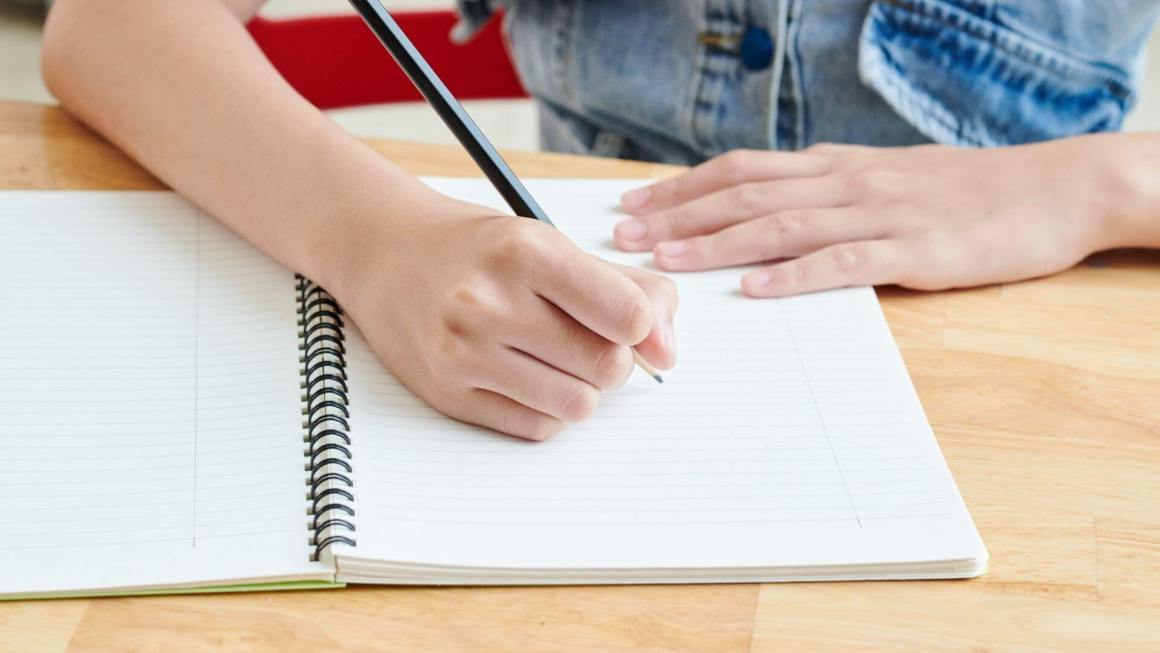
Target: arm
x: 182, y: 88
x: 927, y: 217
x: 497, y: 321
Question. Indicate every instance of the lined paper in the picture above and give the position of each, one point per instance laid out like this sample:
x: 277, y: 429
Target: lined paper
x: 789, y: 433
x: 150, y: 415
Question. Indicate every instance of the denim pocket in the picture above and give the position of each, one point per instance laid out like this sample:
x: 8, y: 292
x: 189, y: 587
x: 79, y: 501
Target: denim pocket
x: 961, y: 77
x: 541, y: 37
x: 610, y: 77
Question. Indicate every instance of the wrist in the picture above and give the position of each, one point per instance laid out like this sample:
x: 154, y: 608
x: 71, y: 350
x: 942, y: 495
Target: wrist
x: 1129, y: 208
x: 380, y: 229
x: 383, y: 240
x: 364, y: 207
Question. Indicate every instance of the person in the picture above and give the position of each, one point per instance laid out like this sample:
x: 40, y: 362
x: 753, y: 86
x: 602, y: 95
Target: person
x: 502, y: 322
x: 493, y: 320
x: 932, y: 144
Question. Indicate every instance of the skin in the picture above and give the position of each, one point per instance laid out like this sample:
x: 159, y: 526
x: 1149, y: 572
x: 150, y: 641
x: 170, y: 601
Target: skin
x: 520, y: 331
x: 493, y: 320
x: 927, y: 217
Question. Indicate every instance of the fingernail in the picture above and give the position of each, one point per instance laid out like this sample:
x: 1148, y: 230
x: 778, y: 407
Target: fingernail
x: 632, y: 230
x: 673, y: 249
x: 636, y: 199
x: 670, y: 339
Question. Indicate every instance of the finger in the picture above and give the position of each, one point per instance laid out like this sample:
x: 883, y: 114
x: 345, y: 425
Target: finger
x: 863, y: 263
x: 781, y: 235
x: 596, y: 295
x: 572, y: 348
x: 529, y: 381
x: 725, y: 208
x: 660, y: 347
x: 499, y: 413
x: 736, y: 167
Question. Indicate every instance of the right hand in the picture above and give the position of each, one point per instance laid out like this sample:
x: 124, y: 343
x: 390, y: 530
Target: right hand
x: 502, y: 321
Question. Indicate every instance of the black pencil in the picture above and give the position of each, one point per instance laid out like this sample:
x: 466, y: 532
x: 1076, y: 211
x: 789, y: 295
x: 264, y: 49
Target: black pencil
x: 455, y: 117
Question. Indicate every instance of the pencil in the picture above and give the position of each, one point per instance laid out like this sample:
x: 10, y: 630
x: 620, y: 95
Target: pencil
x: 455, y: 117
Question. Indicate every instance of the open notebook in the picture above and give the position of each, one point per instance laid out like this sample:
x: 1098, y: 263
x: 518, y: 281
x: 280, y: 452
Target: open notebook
x: 176, y: 414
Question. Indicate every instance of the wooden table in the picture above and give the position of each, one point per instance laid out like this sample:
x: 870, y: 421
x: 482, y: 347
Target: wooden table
x: 1045, y: 397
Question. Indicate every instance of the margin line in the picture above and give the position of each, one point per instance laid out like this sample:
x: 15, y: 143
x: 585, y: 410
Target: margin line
x: 817, y: 407
x: 196, y: 359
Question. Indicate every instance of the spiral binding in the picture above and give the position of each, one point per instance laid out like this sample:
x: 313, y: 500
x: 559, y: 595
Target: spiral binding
x: 326, y: 419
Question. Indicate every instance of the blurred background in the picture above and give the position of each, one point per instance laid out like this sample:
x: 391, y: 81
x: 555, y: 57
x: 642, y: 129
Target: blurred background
x: 510, y: 123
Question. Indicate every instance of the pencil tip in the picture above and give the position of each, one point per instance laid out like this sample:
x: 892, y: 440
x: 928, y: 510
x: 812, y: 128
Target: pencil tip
x: 658, y: 378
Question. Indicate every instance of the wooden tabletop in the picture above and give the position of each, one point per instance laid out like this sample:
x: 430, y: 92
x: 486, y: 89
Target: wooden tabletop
x: 1045, y: 397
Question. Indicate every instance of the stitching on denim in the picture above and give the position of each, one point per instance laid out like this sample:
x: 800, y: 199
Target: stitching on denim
x: 919, y: 107
x: 710, y: 77
x: 1010, y: 41
x: 687, y: 121
x: 796, y: 16
x: 563, y: 28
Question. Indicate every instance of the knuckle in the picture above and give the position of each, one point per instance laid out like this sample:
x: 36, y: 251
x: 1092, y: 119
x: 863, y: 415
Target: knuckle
x: 876, y: 182
x: 580, y: 404
x: 794, y: 273
x: 735, y: 165
x: 464, y: 299
x: 848, y: 258
x: 452, y: 342
x: 613, y: 365
x: 784, y: 224
x: 658, y: 286
x: 749, y: 197
x: 635, y: 320
x: 518, y: 245
x: 672, y: 222
x: 702, y: 250
x: 468, y: 310
x: 672, y: 187
x: 798, y: 273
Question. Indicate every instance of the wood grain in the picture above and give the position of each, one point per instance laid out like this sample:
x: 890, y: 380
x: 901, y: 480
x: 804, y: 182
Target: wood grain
x: 1045, y: 397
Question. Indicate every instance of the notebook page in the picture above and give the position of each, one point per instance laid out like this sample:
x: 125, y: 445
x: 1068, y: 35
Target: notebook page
x: 788, y: 435
x: 149, y: 411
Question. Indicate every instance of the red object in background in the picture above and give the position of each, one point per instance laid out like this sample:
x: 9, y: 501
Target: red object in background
x: 335, y: 61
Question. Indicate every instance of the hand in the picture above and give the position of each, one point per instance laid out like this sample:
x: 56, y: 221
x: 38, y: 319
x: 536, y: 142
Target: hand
x: 502, y: 321
x: 927, y: 217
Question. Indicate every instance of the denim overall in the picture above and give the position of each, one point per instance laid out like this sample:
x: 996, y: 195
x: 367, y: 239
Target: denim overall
x: 681, y: 81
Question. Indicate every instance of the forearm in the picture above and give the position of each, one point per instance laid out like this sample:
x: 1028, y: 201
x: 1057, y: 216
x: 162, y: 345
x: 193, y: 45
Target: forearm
x: 182, y: 88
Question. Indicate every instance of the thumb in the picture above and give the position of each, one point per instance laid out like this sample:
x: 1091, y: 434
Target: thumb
x: 660, y: 346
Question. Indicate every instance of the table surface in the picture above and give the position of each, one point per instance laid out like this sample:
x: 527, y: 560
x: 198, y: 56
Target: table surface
x: 1043, y: 395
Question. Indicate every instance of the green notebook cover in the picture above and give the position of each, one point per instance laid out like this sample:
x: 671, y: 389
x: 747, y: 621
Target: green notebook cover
x: 163, y: 591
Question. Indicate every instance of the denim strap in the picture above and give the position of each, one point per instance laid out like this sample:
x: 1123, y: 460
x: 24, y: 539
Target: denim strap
x: 473, y: 15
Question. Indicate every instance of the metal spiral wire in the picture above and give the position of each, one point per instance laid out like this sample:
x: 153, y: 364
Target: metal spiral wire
x: 325, y: 419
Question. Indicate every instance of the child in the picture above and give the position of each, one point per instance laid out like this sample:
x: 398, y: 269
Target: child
x: 504, y: 323
x: 682, y: 82
x: 493, y: 320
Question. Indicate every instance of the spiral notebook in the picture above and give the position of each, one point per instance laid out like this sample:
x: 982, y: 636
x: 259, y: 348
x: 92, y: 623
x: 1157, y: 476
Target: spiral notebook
x: 178, y: 412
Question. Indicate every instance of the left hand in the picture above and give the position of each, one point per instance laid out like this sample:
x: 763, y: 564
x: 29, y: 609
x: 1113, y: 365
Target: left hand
x: 926, y: 217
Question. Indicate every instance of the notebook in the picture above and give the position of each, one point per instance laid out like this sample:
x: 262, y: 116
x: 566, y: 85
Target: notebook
x: 179, y: 412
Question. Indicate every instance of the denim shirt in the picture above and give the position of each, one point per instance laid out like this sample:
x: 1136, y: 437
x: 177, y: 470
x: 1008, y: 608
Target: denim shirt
x: 682, y: 81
